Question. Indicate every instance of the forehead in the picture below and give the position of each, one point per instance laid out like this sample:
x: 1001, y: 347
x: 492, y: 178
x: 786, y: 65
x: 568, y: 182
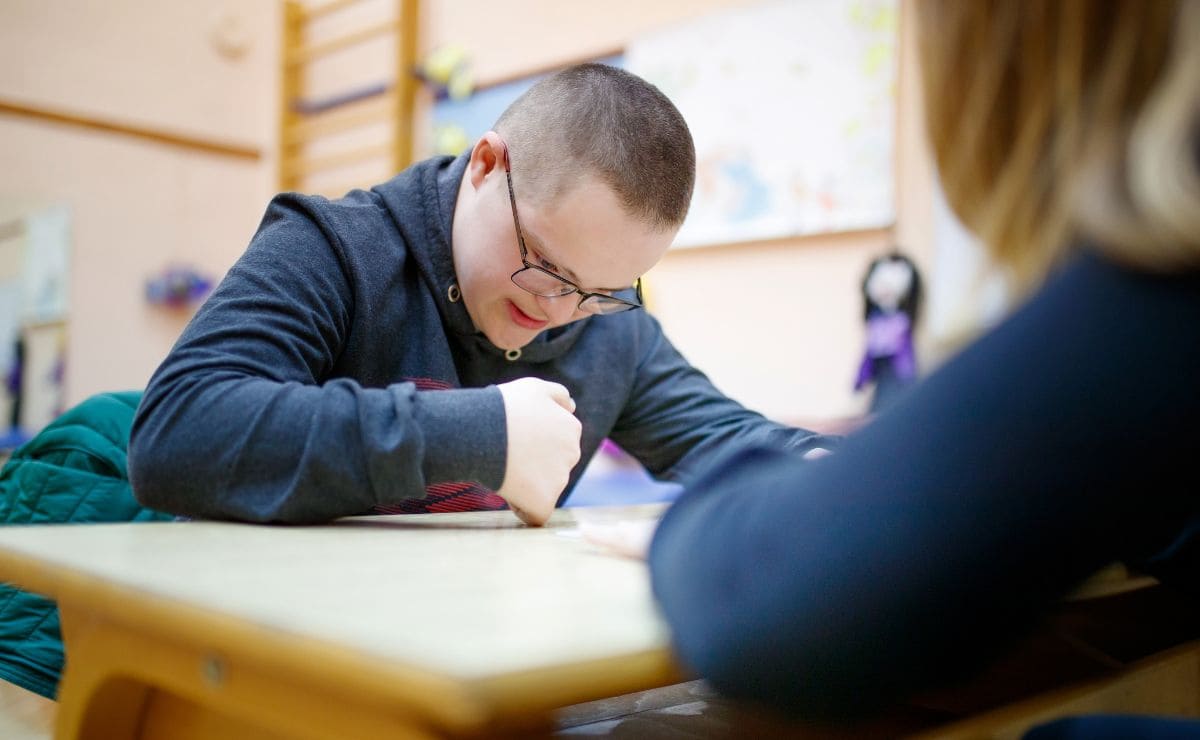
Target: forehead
x: 590, y: 237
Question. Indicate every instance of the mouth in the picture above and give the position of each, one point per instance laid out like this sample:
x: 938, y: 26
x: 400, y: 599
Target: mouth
x: 522, y: 319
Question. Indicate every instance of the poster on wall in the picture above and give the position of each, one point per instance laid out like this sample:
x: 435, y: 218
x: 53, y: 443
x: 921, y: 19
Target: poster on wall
x: 12, y: 262
x: 47, y: 264
x: 791, y: 105
x: 34, y: 303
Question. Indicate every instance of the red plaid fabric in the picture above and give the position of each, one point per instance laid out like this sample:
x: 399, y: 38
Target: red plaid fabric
x: 445, y: 497
x: 442, y: 497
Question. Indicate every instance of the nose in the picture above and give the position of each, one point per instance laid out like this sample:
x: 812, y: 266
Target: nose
x: 559, y: 309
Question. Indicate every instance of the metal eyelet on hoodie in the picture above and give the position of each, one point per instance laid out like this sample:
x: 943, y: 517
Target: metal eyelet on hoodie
x: 453, y: 293
x: 512, y: 355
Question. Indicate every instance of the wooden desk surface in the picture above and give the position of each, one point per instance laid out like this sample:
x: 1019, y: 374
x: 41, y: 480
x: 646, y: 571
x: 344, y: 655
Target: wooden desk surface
x: 460, y: 618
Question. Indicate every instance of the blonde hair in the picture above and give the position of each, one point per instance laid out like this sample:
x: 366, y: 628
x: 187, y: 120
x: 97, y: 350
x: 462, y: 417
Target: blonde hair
x: 1058, y: 120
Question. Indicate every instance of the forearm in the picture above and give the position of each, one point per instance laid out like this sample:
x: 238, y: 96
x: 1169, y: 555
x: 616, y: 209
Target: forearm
x: 677, y: 423
x: 257, y: 450
x: 714, y: 445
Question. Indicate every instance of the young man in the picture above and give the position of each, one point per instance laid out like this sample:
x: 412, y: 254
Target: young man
x: 462, y: 336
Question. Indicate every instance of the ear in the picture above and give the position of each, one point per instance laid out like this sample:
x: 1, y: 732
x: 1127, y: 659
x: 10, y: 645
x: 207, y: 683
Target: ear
x: 490, y: 154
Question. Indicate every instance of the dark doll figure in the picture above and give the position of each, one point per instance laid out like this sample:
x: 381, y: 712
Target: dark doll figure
x: 891, y: 296
x: 12, y: 382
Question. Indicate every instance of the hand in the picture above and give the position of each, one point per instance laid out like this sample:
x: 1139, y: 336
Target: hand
x: 543, y: 446
x: 629, y: 539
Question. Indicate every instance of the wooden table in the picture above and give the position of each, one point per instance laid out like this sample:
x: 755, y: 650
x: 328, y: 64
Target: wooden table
x: 388, y: 626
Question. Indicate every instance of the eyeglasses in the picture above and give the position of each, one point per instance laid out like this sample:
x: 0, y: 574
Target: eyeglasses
x: 542, y: 282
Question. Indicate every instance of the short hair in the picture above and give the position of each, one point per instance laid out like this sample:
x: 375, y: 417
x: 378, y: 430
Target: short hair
x: 612, y: 123
x: 1053, y: 121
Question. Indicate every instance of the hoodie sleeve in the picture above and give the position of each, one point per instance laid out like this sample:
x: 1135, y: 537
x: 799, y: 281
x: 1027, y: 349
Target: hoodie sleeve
x: 676, y: 422
x: 240, y: 421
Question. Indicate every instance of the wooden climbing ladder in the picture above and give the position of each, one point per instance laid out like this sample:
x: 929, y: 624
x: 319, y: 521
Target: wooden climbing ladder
x: 356, y: 135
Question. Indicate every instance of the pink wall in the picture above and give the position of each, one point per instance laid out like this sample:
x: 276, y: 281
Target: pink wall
x: 137, y: 205
x: 154, y: 62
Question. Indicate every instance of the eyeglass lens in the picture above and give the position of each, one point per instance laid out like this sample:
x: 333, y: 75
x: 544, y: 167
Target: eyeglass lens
x: 544, y: 284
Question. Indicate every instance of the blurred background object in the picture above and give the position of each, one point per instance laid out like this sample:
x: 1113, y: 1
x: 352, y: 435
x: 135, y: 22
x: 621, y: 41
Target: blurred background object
x: 178, y: 286
x: 35, y: 260
x: 891, y: 291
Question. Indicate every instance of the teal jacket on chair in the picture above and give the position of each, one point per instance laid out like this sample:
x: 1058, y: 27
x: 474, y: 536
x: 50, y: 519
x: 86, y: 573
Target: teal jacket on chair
x: 73, y: 471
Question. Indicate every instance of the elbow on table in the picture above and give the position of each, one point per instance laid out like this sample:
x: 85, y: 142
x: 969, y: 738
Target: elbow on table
x: 174, y: 478
x: 157, y: 482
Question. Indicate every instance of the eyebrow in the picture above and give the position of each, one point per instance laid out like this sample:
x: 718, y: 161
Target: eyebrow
x: 533, y: 240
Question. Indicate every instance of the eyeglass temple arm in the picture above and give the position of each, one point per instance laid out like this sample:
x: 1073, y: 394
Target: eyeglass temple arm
x: 504, y: 155
x: 637, y: 285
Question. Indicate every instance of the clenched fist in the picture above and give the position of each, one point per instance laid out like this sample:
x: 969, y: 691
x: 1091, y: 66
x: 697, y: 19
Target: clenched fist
x: 543, y: 446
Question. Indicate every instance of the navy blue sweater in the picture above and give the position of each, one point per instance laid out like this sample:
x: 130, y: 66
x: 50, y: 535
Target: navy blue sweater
x: 1060, y: 442
x: 330, y: 373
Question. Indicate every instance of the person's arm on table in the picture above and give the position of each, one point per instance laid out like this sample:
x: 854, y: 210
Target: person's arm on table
x: 1047, y: 450
x: 676, y: 422
x: 244, y: 421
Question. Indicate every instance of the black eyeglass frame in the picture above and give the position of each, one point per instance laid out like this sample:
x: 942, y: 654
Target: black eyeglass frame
x: 613, y: 303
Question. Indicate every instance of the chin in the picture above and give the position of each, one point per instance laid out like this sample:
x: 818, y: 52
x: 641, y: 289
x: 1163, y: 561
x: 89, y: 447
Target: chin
x: 508, y: 341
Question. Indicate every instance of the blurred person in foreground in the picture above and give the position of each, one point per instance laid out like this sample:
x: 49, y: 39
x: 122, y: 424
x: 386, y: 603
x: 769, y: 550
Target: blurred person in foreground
x: 1067, y: 137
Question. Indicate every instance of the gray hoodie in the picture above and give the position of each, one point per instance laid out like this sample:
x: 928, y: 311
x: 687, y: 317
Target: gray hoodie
x: 330, y: 373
